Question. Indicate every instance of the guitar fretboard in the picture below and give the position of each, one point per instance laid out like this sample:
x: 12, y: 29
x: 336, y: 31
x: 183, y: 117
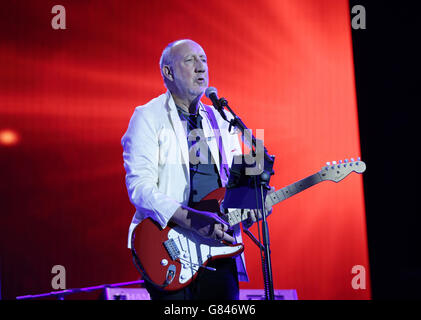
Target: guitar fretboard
x: 238, y: 215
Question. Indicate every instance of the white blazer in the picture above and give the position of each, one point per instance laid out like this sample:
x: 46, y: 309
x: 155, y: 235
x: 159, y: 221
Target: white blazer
x: 156, y: 159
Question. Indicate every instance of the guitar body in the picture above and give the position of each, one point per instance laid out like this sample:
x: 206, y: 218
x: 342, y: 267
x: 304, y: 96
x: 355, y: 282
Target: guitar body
x: 171, y: 257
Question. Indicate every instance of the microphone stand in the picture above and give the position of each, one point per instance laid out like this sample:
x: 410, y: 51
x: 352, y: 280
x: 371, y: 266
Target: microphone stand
x: 261, y: 181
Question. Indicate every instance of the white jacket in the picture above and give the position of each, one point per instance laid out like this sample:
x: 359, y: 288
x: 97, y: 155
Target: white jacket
x: 156, y: 159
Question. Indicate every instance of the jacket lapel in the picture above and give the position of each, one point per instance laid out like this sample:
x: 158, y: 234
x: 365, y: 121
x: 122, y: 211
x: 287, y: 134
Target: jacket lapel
x: 209, y: 125
x: 180, y: 132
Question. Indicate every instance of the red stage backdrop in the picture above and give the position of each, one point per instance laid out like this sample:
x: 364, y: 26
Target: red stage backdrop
x: 66, y: 97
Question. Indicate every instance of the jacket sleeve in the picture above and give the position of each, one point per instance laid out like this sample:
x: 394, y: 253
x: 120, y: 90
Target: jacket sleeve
x: 140, y: 154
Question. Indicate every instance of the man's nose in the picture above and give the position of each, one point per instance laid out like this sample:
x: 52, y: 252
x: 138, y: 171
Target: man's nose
x: 200, y: 66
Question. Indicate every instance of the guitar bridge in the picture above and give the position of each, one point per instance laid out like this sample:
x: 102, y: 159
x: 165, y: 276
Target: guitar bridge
x: 172, y: 249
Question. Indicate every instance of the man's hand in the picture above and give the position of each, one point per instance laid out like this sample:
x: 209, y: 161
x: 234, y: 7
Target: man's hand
x: 256, y: 214
x: 210, y: 225
x: 206, y: 224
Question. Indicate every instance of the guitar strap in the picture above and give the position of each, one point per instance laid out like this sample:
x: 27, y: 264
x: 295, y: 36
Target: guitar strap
x: 223, y: 164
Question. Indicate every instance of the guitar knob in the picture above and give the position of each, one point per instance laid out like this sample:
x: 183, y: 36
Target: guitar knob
x: 164, y: 262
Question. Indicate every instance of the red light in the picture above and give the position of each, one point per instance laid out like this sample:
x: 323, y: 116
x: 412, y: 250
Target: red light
x: 8, y: 137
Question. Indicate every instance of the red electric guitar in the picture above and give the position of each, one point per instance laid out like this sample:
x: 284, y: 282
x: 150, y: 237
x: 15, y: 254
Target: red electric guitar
x: 172, y: 257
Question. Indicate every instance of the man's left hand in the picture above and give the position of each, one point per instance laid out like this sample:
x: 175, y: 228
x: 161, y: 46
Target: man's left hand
x: 256, y: 214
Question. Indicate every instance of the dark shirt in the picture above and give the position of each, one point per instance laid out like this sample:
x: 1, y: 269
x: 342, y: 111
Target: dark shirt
x: 204, y: 176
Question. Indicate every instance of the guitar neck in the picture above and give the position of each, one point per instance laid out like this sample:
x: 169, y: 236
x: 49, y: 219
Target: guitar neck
x: 238, y: 215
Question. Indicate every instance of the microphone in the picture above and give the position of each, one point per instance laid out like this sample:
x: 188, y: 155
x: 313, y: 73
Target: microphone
x: 212, y: 94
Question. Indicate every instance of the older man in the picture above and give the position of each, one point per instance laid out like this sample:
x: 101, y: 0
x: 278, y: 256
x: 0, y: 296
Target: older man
x: 167, y: 173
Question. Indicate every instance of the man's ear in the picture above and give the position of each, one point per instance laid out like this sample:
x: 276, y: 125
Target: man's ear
x: 167, y: 72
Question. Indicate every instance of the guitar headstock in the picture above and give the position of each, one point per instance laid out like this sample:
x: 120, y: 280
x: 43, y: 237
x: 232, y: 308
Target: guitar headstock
x: 338, y: 170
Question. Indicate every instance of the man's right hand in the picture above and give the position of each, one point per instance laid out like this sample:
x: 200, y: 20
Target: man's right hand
x: 206, y: 224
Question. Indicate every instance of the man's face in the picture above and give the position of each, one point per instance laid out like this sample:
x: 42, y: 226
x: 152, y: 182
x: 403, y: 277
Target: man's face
x: 190, y: 69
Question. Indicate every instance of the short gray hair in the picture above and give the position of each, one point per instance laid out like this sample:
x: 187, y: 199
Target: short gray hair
x: 166, y: 56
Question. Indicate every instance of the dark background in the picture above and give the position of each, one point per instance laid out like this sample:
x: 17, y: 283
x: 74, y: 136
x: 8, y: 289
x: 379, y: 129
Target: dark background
x: 385, y: 57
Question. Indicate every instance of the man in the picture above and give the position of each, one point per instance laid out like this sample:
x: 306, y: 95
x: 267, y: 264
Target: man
x: 167, y: 172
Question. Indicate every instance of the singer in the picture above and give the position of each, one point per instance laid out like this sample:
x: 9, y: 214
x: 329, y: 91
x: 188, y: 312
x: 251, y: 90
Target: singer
x: 177, y: 150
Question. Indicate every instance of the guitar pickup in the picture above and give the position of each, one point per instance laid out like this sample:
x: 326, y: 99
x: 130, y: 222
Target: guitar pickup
x: 172, y: 249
